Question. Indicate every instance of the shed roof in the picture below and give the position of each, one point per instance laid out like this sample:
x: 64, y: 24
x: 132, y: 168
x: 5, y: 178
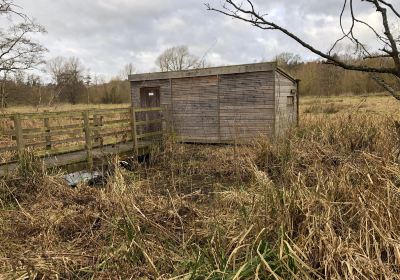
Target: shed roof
x: 224, y: 70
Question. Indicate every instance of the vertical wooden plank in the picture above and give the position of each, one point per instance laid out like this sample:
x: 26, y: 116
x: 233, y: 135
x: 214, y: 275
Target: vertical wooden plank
x: 96, y: 131
x: 88, y: 138
x: 46, y: 122
x: 98, y: 123
x: 101, y: 120
x: 171, y: 114
x: 276, y: 100
x: 19, y: 137
x: 134, y: 131
x: 219, y: 108
x: 298, y: 101
x: 164, y: 124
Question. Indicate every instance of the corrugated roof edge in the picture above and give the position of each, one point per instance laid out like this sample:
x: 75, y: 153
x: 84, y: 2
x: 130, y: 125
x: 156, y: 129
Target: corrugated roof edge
x: 223, y: 70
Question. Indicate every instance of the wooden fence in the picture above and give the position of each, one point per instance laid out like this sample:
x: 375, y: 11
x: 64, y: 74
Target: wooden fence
x: 52, y: 134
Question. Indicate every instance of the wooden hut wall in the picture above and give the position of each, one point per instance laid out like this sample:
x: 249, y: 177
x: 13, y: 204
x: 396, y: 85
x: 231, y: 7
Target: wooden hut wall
x: 286, y: 103
x: 165, y: 98
x: 195, y: 108
x: 214, y: 109
x: 165, y: 91
x: 246, y: 105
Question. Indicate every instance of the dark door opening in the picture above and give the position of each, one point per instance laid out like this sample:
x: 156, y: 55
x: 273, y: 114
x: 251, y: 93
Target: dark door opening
x: 150, y: 98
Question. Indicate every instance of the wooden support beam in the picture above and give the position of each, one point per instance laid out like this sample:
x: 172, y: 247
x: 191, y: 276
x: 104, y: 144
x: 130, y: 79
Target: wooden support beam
x: 98, y: 124
x: 134, y: 131
x: 46, y: 122
x: 141, y: 110
x: 298, y: 101
x: 88, y: 139
x: 19, y: 137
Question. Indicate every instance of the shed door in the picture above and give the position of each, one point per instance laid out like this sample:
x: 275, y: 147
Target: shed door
x: 150, y: 98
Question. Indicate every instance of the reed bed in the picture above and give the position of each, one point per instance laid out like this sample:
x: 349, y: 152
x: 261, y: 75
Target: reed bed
x: 323, y: 202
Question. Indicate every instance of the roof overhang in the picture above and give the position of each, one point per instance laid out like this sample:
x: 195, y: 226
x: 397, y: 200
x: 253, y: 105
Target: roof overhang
x: 287, y: 75
x: 213, y: 71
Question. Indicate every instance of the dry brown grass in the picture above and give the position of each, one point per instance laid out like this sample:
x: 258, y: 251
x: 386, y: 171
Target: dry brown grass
x: 321, y: 203
x: 381, y: 105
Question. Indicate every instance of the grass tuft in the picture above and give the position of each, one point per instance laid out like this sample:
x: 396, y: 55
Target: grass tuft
x: 320, y: 203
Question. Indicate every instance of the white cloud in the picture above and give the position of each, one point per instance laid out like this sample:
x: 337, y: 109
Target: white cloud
x: 106, y: 34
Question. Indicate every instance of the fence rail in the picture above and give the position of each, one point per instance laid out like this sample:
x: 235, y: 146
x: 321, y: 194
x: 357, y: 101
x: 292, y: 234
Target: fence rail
x: 50, y: 134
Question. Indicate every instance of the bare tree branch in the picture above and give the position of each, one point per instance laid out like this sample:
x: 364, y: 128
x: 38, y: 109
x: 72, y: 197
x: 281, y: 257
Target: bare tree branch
x: 246, y: 11
x: 18, y: 51
x: 391, y: 7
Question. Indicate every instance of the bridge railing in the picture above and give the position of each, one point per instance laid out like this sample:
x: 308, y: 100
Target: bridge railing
x: 54, y: 133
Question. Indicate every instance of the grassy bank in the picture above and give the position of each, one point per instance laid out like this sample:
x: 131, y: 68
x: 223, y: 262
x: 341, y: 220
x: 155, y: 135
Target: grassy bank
x: 321, y: 203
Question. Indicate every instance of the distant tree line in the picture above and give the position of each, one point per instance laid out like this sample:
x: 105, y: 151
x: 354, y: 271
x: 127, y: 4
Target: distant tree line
x: 71, y: 82
x: 324, y: 79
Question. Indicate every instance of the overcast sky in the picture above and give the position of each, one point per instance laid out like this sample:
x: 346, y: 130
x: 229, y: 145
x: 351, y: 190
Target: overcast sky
x: 107, y: 34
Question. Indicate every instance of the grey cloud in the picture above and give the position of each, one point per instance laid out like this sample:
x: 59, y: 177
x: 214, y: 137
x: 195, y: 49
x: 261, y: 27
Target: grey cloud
x: 106, y: 34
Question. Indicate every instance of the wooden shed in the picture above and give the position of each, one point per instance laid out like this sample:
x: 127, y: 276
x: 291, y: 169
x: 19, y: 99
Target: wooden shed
x: 220, y: 104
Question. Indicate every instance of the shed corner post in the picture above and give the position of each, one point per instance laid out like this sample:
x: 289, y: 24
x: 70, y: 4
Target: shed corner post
x: 275, y: 124
x: 298, y: 101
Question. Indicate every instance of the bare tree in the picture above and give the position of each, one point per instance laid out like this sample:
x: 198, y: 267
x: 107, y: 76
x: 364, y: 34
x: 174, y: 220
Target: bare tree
x: 8, y: 7
x: 389, y: 50
x: 5, y: 6
x: 68, y: 77
x: 18, y: 51
x: 179, y: 58
x: 128, y: 69
x: 288, y: 59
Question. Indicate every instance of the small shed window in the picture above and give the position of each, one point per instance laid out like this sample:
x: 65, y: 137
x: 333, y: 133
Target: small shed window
x: 290, y: 100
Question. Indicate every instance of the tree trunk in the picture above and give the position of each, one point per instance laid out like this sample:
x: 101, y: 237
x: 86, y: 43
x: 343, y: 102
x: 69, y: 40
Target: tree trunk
x: 2, y: 95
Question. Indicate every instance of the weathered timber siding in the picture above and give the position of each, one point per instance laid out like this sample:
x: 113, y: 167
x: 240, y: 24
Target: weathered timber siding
x: 286, y: 115
x: 165, y: 95
x: 165, y: 91
x: 195, y: 108
x: 246, y: 105
x: 225, y: 107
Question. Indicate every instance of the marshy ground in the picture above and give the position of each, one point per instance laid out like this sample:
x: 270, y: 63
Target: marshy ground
x: 321, y: 203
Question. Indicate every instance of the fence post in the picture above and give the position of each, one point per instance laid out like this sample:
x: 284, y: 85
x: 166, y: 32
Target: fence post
x: 88, y: 138
x: 96, y: 123
x: 19, y: 136
x: 134, y: 131
x: 48, y: 134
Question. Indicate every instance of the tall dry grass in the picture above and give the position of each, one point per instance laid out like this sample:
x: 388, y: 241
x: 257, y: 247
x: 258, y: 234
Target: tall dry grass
x: 321, y: 203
